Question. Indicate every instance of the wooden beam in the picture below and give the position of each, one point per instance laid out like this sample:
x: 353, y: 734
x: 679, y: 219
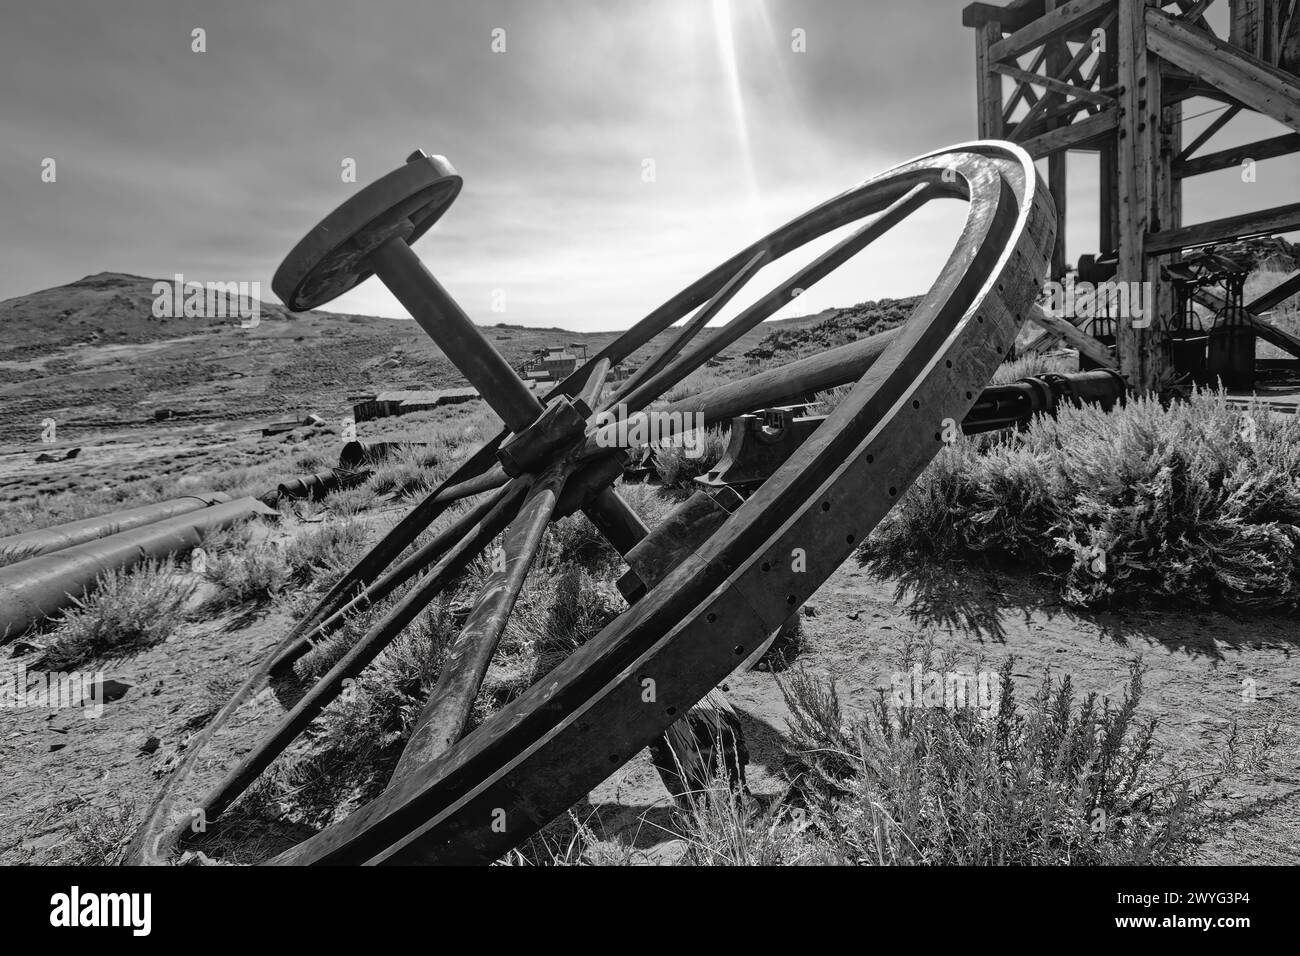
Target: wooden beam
x: 1266, y: 222
x: 1013, y: 16
x: 1265, y: 329
x: 1224, y: 159
x: 1028, y: 121
x: 1056, y: 86
x: 1195, y: 13
x: 1248, y: 79
x: 1141, y: 356
x: 1276, y: 296
x: 1220, y: 121
x: 1166, y: 212
x: 1108, y: 158
x: 1074, y: 136
x: 1077, y: 338
x: 1289, y: 41
x: 1024, y: 90
x: 1048, y: 27
x: 1058, y: 58
x: 988, y: 85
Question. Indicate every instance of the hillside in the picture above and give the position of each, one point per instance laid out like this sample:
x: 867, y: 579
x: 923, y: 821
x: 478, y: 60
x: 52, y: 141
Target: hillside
x: 92, y: 356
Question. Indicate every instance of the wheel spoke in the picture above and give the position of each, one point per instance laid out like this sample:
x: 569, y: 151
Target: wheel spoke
x: 390, y: 547
x: 692, y: 327
x: 805, y: 278
x: 363, y: 652
x: 391, y: 580
x: 590, y: 394
x: 616, y: 520
x: 447, y: 711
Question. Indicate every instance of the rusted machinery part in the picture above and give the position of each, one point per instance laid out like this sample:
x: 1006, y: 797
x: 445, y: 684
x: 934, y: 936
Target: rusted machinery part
x: 316, y: 487
x: 761, y: 441
x: 38, y: 588
x: 355, y: 454
x: 553, y: 744
x: 333, y: 257
x: 544, y: 752
x: 60, y: 536
x: 1015, y: 403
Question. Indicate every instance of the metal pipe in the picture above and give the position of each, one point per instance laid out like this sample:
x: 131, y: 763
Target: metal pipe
x: 36, y: 589
x: 60, y: 536
x: 399, y: 268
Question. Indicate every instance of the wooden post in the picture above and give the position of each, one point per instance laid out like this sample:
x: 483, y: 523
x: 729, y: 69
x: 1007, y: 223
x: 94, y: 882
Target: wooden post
x: 1168, y: 214
x: 988, y: 85
x: 1141, y: 356
x: 1058, y: 59
x: 1108, y: 155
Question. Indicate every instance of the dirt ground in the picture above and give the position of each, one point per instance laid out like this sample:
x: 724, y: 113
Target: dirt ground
x: 1205, y: 671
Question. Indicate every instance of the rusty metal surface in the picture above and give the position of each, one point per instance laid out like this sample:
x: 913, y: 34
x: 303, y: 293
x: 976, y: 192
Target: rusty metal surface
x: 333, y: 257
x: 443, y: 720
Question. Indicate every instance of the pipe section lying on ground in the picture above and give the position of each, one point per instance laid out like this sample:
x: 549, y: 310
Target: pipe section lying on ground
x: 315, y: 487
x: 35, y: 589
x: 60, y: 536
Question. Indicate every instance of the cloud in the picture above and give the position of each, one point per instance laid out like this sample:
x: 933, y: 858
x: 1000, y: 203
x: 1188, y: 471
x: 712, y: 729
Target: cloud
x: 214, y: 164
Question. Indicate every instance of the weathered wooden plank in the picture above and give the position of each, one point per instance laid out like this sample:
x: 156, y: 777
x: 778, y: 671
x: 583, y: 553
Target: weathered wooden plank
x: 1220, y: 121
x: 1263, y: 223
x: 1040, y: 112
x: 1265, y: 329
x: 1277, y: 295
x: 1141, y: 357
x: 1055, y: 85
x: 988, y: 85
x: 1195, y: 12
x: 1248, y: 79
x: 1077, y: 338
x: 1048, y: 27
x: 1058, y: 60
x: 1083, y: 133
x: 1224, y: 159
x: 1167, y: 213
x: 1024, y: 91
x: 1013, y: 16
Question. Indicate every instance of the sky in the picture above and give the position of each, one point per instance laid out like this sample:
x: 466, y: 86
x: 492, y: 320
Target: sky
x: 612, y: 151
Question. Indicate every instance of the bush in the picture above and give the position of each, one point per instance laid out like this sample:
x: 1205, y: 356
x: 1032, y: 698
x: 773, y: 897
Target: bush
x: 256, y: 574
x: 129, y: 610
x: 677, y: 469
x: 1059, y: 781
x: 409, y: 471
x: 324, y: 552
x: 1196, y: 501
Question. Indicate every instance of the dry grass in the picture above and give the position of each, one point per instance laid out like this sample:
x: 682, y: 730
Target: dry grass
x: 129, y: 610
x: 1195, y: 501
x: 678, y: 466
x: 1034, y: 364
x: 1053, y: 781
x: 251, y: 574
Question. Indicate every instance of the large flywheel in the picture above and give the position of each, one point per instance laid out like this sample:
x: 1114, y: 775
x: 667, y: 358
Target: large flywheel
x: 469, y: 798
